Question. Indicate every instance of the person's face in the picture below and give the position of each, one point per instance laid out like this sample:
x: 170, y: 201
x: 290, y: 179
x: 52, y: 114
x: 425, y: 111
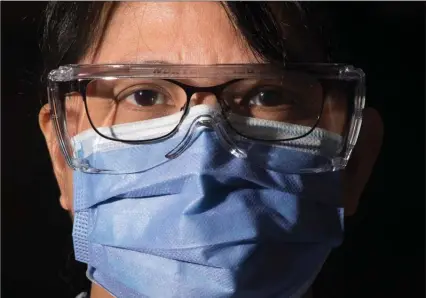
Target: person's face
x: 190, y: 33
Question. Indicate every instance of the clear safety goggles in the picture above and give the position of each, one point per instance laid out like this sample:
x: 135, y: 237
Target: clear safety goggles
x: 248, y: 106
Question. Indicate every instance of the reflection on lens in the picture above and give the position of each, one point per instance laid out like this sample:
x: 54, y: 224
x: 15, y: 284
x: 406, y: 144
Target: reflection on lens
x: 284, y: 102
x: 114, y: 105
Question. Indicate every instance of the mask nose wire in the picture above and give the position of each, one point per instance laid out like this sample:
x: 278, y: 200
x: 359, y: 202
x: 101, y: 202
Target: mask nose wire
x: 200, y: 124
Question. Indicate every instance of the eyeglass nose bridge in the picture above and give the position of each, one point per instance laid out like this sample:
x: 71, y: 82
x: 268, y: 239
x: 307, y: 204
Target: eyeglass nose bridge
x: 215, y: 91
x: 200, y: 124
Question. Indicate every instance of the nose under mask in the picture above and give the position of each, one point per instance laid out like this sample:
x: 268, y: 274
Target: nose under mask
x: 88, y: 145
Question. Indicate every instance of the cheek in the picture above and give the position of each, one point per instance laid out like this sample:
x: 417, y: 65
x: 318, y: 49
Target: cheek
x: 335, y: 113
x: 67, y: 198
x: 74, y: 111
x: 77, y: 120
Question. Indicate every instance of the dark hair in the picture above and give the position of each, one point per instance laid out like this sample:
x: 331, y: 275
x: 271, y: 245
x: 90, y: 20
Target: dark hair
x: 276, y: 32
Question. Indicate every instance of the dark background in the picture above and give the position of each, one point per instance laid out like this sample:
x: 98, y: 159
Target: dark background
x: 383, y: 253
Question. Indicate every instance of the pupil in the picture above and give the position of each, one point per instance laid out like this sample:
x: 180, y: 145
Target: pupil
x: 269, y: 98
x: 145, y: 97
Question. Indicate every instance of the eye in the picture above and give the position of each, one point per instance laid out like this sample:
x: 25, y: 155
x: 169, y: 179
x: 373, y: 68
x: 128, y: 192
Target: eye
x: 146, y: 97
x: 269, y: 97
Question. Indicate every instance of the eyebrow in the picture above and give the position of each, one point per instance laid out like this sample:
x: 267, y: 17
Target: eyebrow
x: 155, y: 62
x: 158, y: 62
x: 139, y: 61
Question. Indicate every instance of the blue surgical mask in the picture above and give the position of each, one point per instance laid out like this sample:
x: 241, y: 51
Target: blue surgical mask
x: 206, y: 224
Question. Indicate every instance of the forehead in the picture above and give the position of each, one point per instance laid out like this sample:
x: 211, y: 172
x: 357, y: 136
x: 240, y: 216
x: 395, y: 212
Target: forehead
x: 174, y: 32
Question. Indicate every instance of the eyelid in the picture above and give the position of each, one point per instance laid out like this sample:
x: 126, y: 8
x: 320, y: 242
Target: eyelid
x: 241, y: 88
x: 132, y: 89
x: 120, y: 85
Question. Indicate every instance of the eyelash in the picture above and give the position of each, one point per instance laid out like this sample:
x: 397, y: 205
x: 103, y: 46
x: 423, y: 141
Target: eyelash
x: 135, y: 88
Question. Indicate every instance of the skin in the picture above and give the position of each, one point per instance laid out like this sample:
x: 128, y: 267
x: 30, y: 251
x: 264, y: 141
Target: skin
x: 182, y: 33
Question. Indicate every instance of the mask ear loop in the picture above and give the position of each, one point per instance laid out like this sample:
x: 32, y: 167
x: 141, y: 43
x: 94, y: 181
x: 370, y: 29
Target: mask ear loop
x: 199, y: 125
